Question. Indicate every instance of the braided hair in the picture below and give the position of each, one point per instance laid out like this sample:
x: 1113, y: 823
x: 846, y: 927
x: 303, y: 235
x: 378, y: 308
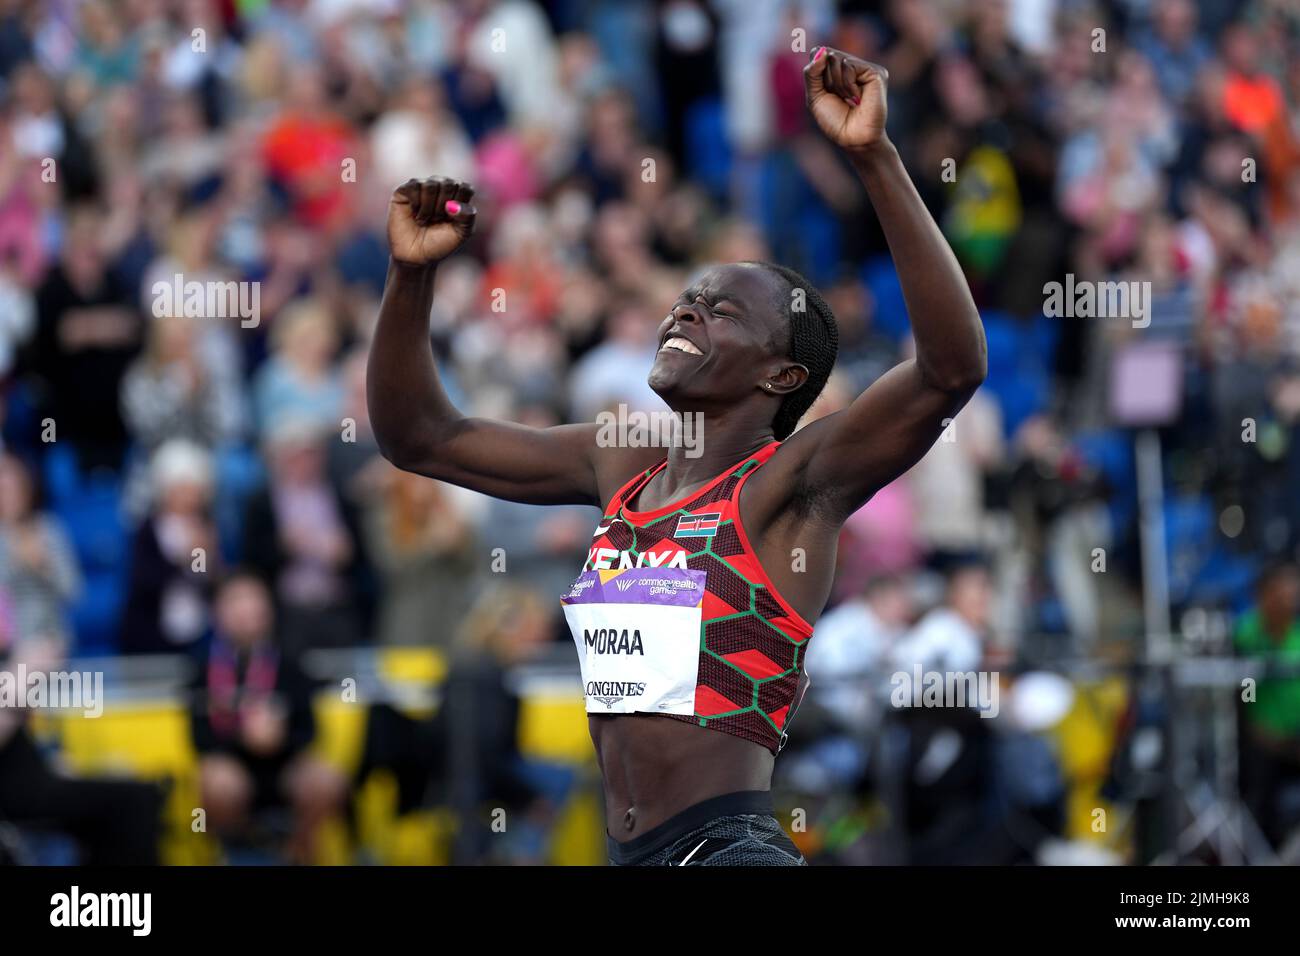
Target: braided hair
x: 814, y: 342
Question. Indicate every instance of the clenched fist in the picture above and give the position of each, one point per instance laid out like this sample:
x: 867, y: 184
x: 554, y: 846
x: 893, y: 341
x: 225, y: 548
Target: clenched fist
x: 846, y: 97
x: 429, y: 219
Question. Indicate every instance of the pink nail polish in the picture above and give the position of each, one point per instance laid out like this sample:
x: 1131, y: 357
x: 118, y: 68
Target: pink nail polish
x: 453, y: 207
x: 854, y: 100
x: 821, y: 51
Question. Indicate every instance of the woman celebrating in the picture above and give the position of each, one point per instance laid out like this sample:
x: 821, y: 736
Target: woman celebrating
x: 708, y: 568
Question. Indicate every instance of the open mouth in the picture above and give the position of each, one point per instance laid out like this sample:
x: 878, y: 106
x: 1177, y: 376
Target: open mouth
x: 678, y: 344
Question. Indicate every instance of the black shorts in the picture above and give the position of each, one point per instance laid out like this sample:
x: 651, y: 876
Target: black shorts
x: 736, y: 829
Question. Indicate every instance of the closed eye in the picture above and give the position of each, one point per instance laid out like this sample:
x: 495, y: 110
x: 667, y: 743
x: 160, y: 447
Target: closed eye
x: 692, y: 296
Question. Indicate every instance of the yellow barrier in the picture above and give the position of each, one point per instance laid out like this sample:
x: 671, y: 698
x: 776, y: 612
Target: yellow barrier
x: 151, y: 741
x: 1085, y: 744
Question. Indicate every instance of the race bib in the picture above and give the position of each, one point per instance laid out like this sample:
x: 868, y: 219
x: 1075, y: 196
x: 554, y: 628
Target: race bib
x: 637, y: 632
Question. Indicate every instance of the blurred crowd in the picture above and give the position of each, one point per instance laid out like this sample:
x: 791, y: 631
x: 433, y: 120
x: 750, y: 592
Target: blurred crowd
x: 160, y: 464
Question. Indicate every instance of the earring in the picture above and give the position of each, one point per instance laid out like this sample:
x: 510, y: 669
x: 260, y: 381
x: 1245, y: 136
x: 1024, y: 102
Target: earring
x: 767, y: 385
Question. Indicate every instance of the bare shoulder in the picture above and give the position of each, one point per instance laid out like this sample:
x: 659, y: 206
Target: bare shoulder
x: 782, y: 489
x: 617, y: 465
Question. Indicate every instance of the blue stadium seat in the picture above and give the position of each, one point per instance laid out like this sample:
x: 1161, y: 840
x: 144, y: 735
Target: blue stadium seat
x: 1226, y: 579
x: 99, y: 534
x: 881, y: 278
x: 21, y: 421
x: 97, y: 529
x: 90, y: 507
x: 1189, y: 530
x: 708, y: 149
x: 1045, y: 333
x: 62, y: 478
x: 783, y: 195
x: 1201, y: 566
x: 1017, y: 378
x: 97, y: 616
x: 1049, y: 616
x: 1111, y: 453
x: 1004, y: 335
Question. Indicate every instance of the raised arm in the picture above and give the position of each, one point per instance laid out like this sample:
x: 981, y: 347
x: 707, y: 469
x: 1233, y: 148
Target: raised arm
x: 843, y: 459
x: 417, y: 427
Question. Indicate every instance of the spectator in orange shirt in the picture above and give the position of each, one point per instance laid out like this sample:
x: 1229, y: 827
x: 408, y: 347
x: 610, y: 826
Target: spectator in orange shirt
x: 304, y: 151
x: 1252, y: 99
